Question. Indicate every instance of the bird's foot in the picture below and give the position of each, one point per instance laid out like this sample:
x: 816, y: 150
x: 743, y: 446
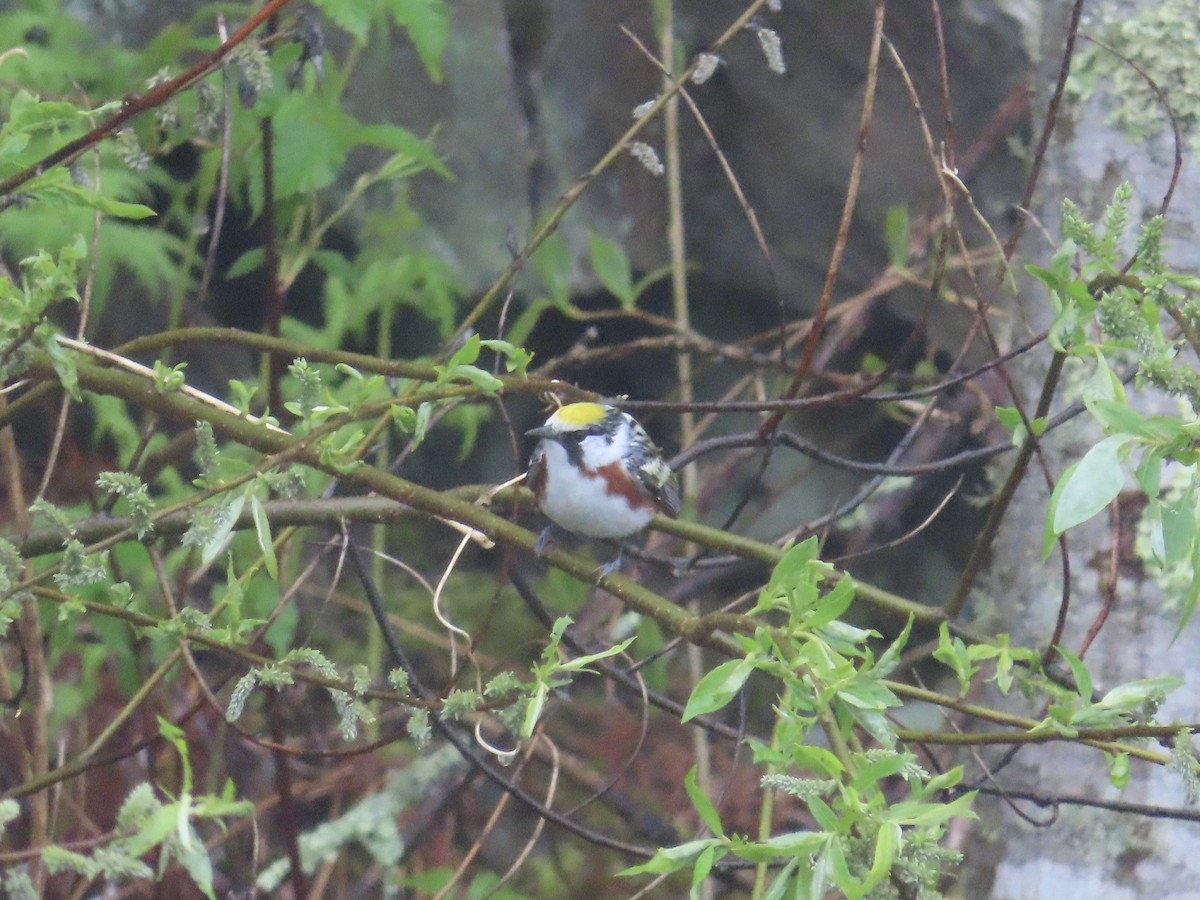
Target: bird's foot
x: 613, y: 565
x: 544, y: 541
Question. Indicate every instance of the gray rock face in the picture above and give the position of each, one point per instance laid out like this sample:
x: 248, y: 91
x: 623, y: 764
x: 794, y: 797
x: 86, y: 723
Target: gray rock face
x: 789, y: 138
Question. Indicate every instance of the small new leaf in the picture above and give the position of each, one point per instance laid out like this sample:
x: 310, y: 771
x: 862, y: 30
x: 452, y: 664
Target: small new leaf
x: 226, y: 518
x: 1090, y: 485
x: 717, y: 688
x: 897, y: 231
x: 262, y: 527
x: 612, y: 267
x: 704, y: 806
x: 672, y: 859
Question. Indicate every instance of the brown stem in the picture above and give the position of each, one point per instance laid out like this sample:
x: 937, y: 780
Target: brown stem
x: 37, y: 760
x: 286, y: 818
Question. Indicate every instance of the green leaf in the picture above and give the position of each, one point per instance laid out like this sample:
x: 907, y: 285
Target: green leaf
x: 213, y: 807
x: 552, y: 262
x: 312, y: 137
x: 533, y: 709
x: 1083, y: 678
x: 826, y: 818
x: 875, y: 723
x: 95, y: 200
x: 485, y: 381
x: 26, y: 113
x: 1178, y: 526
x: 194, y: 856
x: 812, y: 882
x: 226, y: 518
x: 1104, y: 386
x: 1148, y: 473
x: 703, y: 804
x: 779, y: 887
x: 1133, y: 694
x: 1005, y: 657
x: 516, y: 359
x: 1049, y: 536
x: 944, y: 781
x: 1118, y: 418
x: 612, y: 267
x: 852, y: 887
x: 428, y: 26
x: 891, y: 656
x: 262, y: 527
x: 1118, y: 770
x: 9, y: 811
x: 1011, y: 420
x: 817, y: 759
x: 64, y: 366
x: 411, y: 153
x: 1042, y: 274
x: 246, y: 263
x: 789, y: 573
x: 792, y: 843
x: 1091, y: 484
x: 833, y: 604
x: 353, y: 16
x: 701, y: 869
x: 953, y: 652
x: 930, y: 814
x: 11, y: 144
x: 717, y: 688
x: 467, y: 354
x: 879, y: 769
x: 897, y: 232
x: 672, y: 859
x: 887, y: 845
x: 580, y: 663
x: 173, y: 733
x: 424, y: 416
x: 157, y: 827
x: 869, y: 694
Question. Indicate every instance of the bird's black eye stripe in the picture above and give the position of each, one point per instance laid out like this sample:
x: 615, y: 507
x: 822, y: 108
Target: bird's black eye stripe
x: 572, y: 442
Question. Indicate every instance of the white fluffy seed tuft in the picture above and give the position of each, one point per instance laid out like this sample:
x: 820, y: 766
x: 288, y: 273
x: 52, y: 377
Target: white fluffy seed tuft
x: 647, y: 156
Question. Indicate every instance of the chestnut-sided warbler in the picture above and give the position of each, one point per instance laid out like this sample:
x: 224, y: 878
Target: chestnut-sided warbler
x: 595, y: 472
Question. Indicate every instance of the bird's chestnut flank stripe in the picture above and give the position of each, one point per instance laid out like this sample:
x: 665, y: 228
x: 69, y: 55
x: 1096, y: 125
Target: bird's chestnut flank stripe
x: 617, y: 483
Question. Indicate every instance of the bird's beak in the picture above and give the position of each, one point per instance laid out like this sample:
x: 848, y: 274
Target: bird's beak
x: 542, y: 431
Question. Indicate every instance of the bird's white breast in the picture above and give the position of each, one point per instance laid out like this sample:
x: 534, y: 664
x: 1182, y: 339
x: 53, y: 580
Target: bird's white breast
x: 582, y: 504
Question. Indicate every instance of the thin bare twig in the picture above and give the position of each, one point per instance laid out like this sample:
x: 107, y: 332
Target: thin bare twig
x: 218, y: 222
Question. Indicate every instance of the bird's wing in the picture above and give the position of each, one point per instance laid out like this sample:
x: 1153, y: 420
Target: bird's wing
x: 659, y: 483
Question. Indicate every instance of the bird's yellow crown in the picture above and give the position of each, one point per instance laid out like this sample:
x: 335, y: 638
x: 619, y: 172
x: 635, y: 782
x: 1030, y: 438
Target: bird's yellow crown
x: 579, y: 415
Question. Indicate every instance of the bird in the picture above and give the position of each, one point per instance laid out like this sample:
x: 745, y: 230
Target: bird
x: 596, y: 473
